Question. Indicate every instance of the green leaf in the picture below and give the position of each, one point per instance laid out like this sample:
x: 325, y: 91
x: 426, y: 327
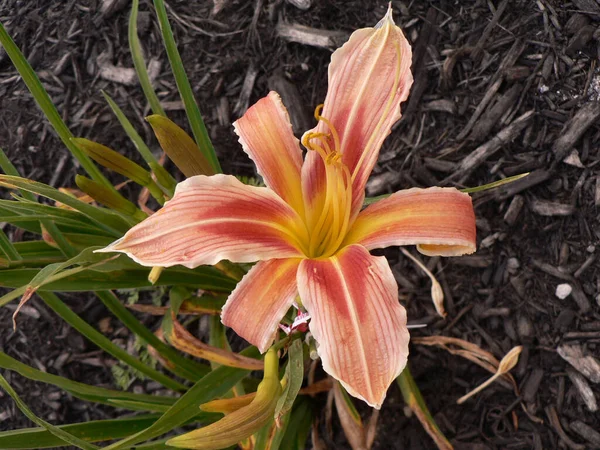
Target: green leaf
x: 103, y: 218
x: 58, y: 432
x: 205, y: 278
x: 53, y: 272
x: 185, y: 90
x: 486, y: 187
x: 414, y: 400
x: 495, y: 184
x: 186, y: 368
x: 104, y: 343
x: 57, y: 215
x: 179, y: 147
x: 45, y: 103
x: 138, y: 62
x: 93, y: 431
x: 162, y: 176
x: 8, y: 248
x: 294, y: 372
x: 114, y: 201
x: 30, y: 249
x: 82, y: 390
x: 49, y: 226
x: 278, y: 437
x: 213, y: 385
x: 299, y: 425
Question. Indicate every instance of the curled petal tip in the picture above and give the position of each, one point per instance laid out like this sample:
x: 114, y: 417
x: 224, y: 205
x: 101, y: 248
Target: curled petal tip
x: 110, y: 248
x: 388, y: 19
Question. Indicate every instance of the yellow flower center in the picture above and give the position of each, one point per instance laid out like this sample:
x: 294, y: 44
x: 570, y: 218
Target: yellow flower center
x: 329, y: 227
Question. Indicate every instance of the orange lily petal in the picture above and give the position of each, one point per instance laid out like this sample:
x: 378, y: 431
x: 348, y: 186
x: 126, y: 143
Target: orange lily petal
x: 440, y: 221
x: 369, y: 77
x: 256, y: 306
x: 214, y: 218
x: 266, y: 135
x: 356, y: 319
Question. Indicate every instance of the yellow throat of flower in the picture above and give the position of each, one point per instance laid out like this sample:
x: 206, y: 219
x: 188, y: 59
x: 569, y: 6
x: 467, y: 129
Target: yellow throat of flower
x: 329, y: 225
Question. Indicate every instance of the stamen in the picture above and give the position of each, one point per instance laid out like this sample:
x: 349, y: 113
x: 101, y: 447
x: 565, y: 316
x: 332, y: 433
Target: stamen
x: 329, y: 230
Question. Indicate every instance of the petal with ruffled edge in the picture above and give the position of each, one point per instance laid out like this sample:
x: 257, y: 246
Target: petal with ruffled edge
x: 369, y: 76
x: 356, y: 320
x: 214, y: 218
x: 256, y: 306
x: 440, y: 221
x: 266, y: 135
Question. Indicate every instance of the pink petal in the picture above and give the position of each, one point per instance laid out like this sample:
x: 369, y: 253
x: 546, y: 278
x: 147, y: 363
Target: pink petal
x: 440, y: 221
x: 266, y: 135
x: 214, y: 218
x: 256, y: 306
x: 362, y: 103
x: 357, y: 321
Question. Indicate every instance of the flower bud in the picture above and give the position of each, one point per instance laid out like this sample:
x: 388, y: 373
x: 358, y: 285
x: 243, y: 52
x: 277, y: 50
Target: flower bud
x: 243, y: 422
x: 108, y: 198
x: 114, y: 161
x: 180, y: 147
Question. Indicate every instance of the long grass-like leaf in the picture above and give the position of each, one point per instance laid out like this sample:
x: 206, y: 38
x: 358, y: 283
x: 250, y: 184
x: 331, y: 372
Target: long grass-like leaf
x: 163, y: 177
x: 7, y: 248
x: 298, y: 429
x: 11, y: 170
x: 205, y: 278
x: 55, y: 214
x: 103, y: 218
x: 93, y: 431
x: 63, y: 435
x: 183, y: 367
x: 414, y: 400
x: 45, y: 103
x: 185, y: 90
x: 82, y: 390
x: 213, y: 385
x: 104, y: 343
x: 138, y: 62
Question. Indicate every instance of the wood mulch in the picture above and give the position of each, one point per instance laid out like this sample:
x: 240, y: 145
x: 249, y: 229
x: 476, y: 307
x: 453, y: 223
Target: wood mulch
x: 501, y: 88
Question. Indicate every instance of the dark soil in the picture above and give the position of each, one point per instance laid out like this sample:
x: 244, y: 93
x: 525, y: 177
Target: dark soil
x: 480, y: 68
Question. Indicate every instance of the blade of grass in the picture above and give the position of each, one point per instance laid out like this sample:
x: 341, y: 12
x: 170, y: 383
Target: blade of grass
x: 185, y: 90
x: 299, y: 426
x: 82, y: 390
x: 45, y: 103
x: 8, y: 248
x: 140, y: 145
x: 58, y: 237
x: 11, y: 170
x: 104, y: 343
x: 213, y: 385
x: 93, y: 431
x: 205, y: 278
x: 414, y: 400
x: 138, y: 62
x: 53, y: 213
x: 186, y: 368
x: 59, y: 433
x: 102, y: 217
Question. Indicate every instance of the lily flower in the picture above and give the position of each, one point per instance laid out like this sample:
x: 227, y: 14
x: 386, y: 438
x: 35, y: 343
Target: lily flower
x: 307, y: 228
